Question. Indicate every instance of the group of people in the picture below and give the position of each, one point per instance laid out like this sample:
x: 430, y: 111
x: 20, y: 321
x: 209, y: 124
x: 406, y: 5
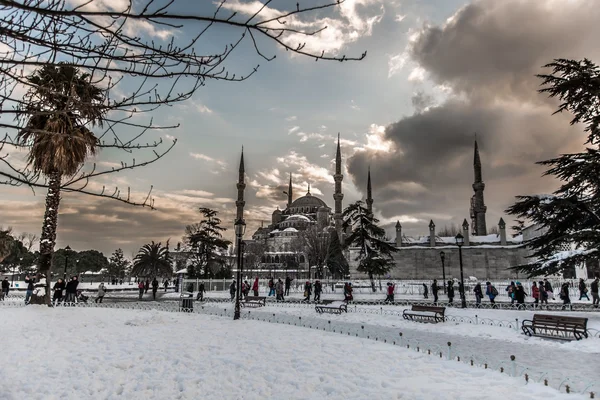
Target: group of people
x: 540, y: 292
x: 143, y: 287
x: 280, y: 288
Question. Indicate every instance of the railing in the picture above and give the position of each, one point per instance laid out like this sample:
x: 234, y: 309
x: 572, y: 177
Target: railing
x: 511, y: 367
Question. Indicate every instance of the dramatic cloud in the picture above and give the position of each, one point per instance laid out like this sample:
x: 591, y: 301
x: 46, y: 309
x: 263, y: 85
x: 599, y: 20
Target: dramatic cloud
x: 485, y: 58
x: 350, y: 21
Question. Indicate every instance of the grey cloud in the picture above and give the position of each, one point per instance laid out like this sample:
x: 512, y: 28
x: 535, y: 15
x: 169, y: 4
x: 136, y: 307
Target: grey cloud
x: 488, y: 55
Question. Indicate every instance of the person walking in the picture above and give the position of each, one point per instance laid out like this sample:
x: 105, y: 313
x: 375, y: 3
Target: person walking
x: 29, y: 281
x: 141, y: 289
x: 511, y: 292
x: 307, y: 291
x: 564, y: 295
x: 279, y: 290
x: 594, y: 290
x: 147, y: 285
x: 543, y: 293
x: 154, y: 288
x: 478, y: 294
x: 288, y: 284
x: 101, y: 293
x: 318, y: 290
x: 519, y: 294
x: 5, y: 287
x: 166, y: 284
x: 271, y: 287
x: 255, y: 287
x: 57, y: 290
x: 390, y: 292
x: 583, y: 289
x: 450, y: 292
x: 491, y: 292
x: 201, y: 290
x: 425, y: 291
x: 535, y: 293
x: 434, y: 291
x: 232, y: 290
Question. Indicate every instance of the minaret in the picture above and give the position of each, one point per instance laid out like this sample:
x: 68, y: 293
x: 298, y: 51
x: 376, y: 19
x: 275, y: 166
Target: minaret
x: 289, y: 193
x: 338, y: 195
x: 478, y: 207
x: 369, y: 194
x: 239, y: 204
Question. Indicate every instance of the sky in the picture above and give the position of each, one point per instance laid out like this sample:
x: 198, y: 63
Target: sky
x: 438, y: 74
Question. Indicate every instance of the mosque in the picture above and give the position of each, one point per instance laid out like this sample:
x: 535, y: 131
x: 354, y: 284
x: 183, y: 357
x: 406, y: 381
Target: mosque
x: 485, y: 256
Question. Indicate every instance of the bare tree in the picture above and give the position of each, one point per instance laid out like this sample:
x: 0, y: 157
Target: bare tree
x: 28, y: 239
x: 104, y: 43
x: 315, y: 244
x: 253, y: 253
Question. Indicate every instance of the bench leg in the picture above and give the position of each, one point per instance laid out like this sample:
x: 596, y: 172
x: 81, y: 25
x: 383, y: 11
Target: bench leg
x: 529, y: 331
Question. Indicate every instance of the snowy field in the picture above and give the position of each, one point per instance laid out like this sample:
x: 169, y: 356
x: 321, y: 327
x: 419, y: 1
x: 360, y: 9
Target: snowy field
x: 82, y: 353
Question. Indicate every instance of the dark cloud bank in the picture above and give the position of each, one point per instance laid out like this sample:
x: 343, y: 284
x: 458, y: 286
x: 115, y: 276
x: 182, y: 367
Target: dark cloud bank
x: 488, y: 54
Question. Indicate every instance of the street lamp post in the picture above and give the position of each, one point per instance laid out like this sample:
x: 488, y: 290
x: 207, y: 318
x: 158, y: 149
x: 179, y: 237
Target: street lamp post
x: 460, y: 240
x: 443, y: 258
x: 240, y: 229
x: 67, y: 250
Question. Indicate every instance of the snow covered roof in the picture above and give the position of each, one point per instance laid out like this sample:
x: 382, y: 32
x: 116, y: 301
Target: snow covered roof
x: 290, y: 229
x: 182, y: 271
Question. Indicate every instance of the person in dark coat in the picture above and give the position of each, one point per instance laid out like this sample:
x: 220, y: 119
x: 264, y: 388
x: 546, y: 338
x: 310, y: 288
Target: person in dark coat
x: 318, y: 290
x: 288, y: 284
x: 594, y: 290
x: 548, y: 288
x: 583, y: 289
x: 478, y: 294
x: 434, y: 291
x: 425, y: 291
x: 519, y: 293
x: 166, y: 284
x: 450, y: 292
x: 232, y: 290
x: 564, y: 295
x: 307, y: 290
x: 29, y: 281
x: 147, y: 285
x: 201, y: 291
x: 5, y: 287
x: 58, y: 288
x: 71, y: 290
x: 154, y: 288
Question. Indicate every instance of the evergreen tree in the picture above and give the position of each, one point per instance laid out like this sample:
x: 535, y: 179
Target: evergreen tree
x: 335, y: 261
x: 569, y: 218
x: 206, y: 241
x: 152, y: 261
x: 375, y: 254
x: 118, y: 264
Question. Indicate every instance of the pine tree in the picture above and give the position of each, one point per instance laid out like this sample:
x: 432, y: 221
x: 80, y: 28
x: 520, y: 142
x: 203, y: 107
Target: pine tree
x: 335, y: 261
x: 206, y: 240
x: 118, y: 264
x: 375, y: 254
x: 570, y: 217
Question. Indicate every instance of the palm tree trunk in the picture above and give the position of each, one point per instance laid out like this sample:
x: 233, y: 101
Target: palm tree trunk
x: 48, y: 237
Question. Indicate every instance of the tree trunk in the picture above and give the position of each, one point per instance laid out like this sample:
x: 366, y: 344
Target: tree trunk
x: 372, y: 282
x: 48, y: 237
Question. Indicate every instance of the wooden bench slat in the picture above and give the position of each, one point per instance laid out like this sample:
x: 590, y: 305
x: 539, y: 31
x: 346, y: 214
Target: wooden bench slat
x: 428, y: 313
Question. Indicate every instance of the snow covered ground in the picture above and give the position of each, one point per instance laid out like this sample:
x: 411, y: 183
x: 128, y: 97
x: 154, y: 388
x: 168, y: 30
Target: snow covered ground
x: 74, y: 353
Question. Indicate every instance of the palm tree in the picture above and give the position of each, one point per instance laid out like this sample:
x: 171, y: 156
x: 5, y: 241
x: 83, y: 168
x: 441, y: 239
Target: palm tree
x: 59, y: 106
x: 152, y: 260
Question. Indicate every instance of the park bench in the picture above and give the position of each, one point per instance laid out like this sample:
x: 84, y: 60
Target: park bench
x: 331, y: 306
x: 254, y: 301
x: 556, y: 327
x: 425, y: 314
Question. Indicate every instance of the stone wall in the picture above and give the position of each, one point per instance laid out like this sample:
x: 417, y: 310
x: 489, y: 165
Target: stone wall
x: 482, y: 262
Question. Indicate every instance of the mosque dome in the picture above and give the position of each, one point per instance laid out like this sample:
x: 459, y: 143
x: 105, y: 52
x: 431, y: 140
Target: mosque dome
x: 308, y: 201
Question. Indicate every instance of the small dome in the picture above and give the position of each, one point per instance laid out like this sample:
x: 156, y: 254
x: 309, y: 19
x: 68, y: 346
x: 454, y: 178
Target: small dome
x: 278, y: 211
x: 290, y: 230
x: 297, y: 217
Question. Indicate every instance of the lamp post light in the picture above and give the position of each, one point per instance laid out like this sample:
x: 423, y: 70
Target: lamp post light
x: 240, y: 229
x: 460, y: 240
x: 443, y: 258
x: 67, y: 250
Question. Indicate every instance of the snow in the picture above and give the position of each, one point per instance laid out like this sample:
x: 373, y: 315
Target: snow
x: 126, y: 354
x: 563, y: 255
